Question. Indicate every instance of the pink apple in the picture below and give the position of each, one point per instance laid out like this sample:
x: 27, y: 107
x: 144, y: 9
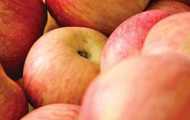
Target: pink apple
x: 128, y: 39
x: 104, y: 15
x: 12, y: 100
x: 21, y: 23
x: 61, y: 64
x: 54, y: 112
x: 148, y: 87
x: 171, y: 33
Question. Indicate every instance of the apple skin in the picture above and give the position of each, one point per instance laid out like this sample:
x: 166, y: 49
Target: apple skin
x: 104, y: 16
x: 128, y: 38
x: 12, y: 99
x: 54, y: 112
x: 162, y: 38
x: 169, y: 5
x: 147, y: 87
x: 22, y: 22
x: 61, y: 64
x: 51, y: 24
x: 184, y: 1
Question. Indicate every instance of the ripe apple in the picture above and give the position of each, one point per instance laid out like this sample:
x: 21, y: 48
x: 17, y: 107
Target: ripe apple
x: 12, y: 100
x: 104, y: 16
x: 128, y: 38
x: 171, y: 33
x: 54, y: 112
x: 22, y: 22
x: 148, y: 87
x: 61, y: 64
x: 170, y: 5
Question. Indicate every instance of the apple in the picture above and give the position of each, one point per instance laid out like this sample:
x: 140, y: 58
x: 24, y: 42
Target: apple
x: 104, y: 16
x: 128, y: 38
x: 171, y: 33
x: 184, y: 1
x: 61, y: 64
x: 51, y: 24
x: 12, y: 99
x: 187, y: 1
x: 54, y: 112
x: 30, y: 108
x: 22, y: 22
x: 147, y: 87
x: 169, y: 5
x: 19, y: 82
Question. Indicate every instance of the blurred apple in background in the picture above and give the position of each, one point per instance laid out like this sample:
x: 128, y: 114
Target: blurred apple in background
x: 104, y: 16
x: 171, y: 33
x: 12, y: 100
x: 148, y: 87
x: 22, y: 22
x: 170, y: 6
x: 51, y: 24
x: 184, y: 1
x: 128, y: 39
x: 61, y: 64
x: 54, y: 112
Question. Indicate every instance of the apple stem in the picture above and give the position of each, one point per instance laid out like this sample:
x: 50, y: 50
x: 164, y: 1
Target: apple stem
x: 83, y: 53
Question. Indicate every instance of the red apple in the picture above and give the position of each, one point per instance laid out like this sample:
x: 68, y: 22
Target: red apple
x: 148, y: 87
x: 61, y: 64
x: 12, y: 100
x: 128, y: 38
x: 170, y: 5
x: 171, y: 33
x: 22, y: 22
x: 104, y: 16
x: 54, y: 112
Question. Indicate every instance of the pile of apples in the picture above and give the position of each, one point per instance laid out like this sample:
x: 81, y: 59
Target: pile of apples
x: 94, y: 59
